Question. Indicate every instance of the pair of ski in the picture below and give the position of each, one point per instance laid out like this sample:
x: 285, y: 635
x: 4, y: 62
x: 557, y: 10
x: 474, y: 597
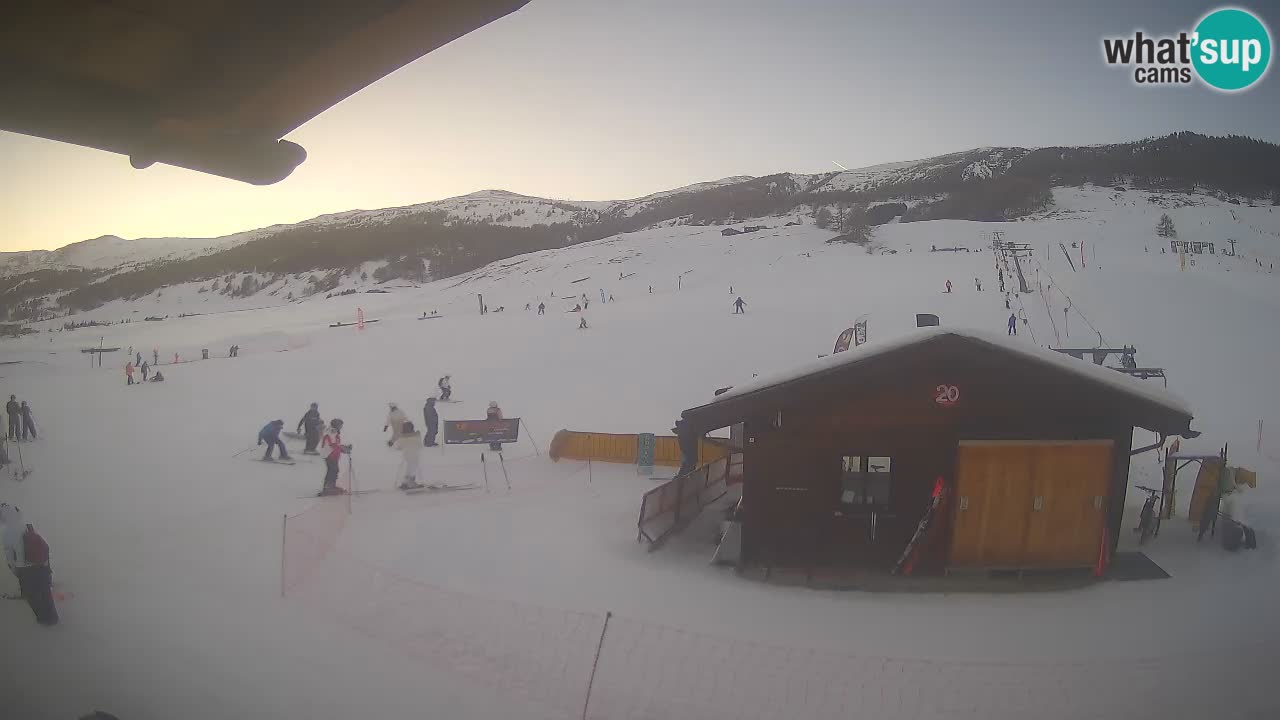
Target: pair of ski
x: 435, y: 488
x: 410, y: 491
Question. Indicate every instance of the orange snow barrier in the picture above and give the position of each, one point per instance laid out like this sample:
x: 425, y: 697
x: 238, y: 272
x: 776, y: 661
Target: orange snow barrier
x: 622, y: 448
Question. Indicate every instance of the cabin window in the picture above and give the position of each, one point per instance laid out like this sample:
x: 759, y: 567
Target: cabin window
x: 866, y: 481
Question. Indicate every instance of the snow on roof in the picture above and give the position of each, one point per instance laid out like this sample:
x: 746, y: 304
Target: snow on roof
x: 1114, y: 380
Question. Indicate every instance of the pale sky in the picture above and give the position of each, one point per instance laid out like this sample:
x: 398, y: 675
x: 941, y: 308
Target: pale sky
x: 591, y: 100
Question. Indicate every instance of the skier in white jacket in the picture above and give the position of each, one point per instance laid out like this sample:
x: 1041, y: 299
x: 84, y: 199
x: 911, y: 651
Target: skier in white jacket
x: 410, y: 446
x: 395, y: 420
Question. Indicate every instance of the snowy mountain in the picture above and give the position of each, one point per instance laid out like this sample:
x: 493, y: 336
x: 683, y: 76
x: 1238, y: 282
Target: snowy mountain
x: 447, y: 237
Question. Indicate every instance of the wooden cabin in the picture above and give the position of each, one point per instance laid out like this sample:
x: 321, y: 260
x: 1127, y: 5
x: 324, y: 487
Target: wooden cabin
x: 841, y: 455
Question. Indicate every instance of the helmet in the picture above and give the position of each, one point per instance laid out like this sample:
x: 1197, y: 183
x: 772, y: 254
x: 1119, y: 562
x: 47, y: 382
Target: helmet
x: 336, y: 423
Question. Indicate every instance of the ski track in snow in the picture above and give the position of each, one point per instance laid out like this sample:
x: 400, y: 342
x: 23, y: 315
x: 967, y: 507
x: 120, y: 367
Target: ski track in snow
x: 479, y: 604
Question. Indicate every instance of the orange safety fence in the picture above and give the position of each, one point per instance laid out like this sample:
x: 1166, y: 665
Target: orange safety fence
x: 623, y: 448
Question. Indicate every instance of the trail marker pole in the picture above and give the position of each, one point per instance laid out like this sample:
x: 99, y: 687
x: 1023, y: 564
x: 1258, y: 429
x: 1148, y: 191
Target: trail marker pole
x: 284, y: 537
x: 595, y: 664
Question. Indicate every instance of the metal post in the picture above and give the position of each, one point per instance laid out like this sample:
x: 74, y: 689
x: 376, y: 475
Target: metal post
x: 284, y: 537
x: 586, y: 703
x: 589, y: 477
x: 536, y: 451
x: 506, y: 477
x: 485, y: 468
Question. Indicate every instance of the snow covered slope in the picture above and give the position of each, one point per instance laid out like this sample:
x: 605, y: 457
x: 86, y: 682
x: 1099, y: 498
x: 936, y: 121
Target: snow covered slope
x: 480, y: 605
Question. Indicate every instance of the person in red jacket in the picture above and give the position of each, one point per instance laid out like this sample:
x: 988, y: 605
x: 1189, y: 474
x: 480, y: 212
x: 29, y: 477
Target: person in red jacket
x: 333, y: 441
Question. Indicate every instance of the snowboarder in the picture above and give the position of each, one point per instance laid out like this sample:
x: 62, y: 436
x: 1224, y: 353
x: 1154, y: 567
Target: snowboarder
x: 737, y: 307
x: 582, y: 323
x: 446, y: 390
x: 948, y: 286
x: 128, y: 372
x: 270, y: 434
x: 494, y: 413
x: 410, y: 449
x: 15, y: 416
x: 577, y: 308
x: 145, y: 369
x: 159, y: 377
x: 1013, y: 324
x: 431, y: 420
x: 27, y: 555
x: 542, y: 308
x: 977, y: 284
x: 333, y: 440
x: 311, y: 424
x: 395, y: 420
x: 28, y: 422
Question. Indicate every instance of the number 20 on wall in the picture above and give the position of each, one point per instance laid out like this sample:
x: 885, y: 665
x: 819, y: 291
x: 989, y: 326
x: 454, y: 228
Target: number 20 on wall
x: 946, y: 395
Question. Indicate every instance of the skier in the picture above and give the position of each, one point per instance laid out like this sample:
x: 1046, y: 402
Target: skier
x: 270, y: 434
x: 28, y: 422
x: 730, y: 289
x: 542, y: 308
x: 144, y: 370
x: 610, y: 297
x: 494, y: 413
x: 139, y: 360
x: 333, y: 440
x: 650, y: 289
x: 128, y: 372
x: 1013, y: 324
x: 27, y: 555
x: 410, y: 449
x: 582, y: 323
x: 15, y: 416
x: 431, y: 418
x: 528, y: 306
x: 311, y: 423
x: 978, y: 284
x: 446, y: 390
x: 737, y: 307
x: 155, y: 356
x: 948, y: 286
x: 395, y: 420
x: 175, y: 358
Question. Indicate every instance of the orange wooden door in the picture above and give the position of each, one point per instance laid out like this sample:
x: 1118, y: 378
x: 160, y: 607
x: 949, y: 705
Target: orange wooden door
x: 1070, y: 485
x: 993, y: 500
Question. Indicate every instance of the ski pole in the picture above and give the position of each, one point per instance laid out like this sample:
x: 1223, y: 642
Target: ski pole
x: 503, y: 463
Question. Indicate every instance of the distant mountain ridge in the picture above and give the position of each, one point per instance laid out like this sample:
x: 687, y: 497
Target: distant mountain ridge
x: 445, y: 237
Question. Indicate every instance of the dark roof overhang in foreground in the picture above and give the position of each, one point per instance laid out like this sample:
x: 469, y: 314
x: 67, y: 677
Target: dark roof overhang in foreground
x: 209, y: 86
x: 1146, y: 405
